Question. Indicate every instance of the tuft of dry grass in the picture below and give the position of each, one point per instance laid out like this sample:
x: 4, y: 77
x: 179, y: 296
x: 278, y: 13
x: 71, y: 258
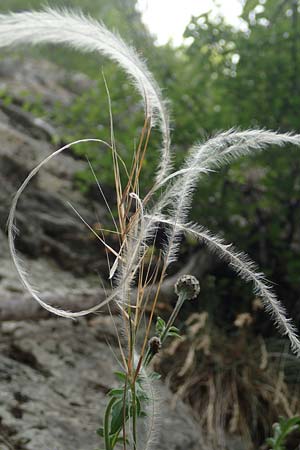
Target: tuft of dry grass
x: 235, y: 384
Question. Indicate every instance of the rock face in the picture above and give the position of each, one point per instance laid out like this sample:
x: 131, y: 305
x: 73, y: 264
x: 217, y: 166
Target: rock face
x: 54, y: 374
x: 57, y: 248
x: 48, y: 225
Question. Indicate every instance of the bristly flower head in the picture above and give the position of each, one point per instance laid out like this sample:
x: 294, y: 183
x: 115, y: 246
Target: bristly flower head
x: 188, y: 286
x: 154, y: 345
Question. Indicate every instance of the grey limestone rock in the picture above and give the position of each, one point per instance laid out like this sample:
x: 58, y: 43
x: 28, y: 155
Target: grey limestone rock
x: 54, y: 376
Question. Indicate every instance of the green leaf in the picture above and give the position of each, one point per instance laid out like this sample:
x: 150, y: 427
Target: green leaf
x: 120, y: 440
x: 160, y: 325
x: 174, y: 330
x: 282, y: 430
x: 138, y: 406
x: 120, y: 375
x: 100, y: 431
x: 117, y: 416
x: 154, y: 376
x: 173, y: 334
x: 119, y: 392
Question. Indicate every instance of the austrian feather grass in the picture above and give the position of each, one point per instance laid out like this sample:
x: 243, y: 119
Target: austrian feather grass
x: 203, y: 158
x: 247, y: 270
x: 88, y: 35
x: 216, y: 152
x: 12, y: 231
x: 152, y: 425
x: 138, y: 221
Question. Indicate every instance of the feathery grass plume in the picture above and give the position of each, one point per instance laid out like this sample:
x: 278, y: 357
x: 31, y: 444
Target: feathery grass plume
x: 150, y: 427
x: 217, y: 151
x: 204, y: 158
x: 12, y: 231
x: 247, y: 270
x: 88, y: 35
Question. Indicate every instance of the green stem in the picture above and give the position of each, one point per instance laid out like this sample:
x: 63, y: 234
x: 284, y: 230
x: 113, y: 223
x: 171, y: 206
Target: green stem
x: 134, y: 416
x: 124, y: 413
x: 181, y: 299
x: 113, y: 442
x: 106, y: 423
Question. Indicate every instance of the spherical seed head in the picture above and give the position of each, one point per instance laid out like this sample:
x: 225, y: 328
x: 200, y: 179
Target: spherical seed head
x: 188, y: 285
x: 155, y: 344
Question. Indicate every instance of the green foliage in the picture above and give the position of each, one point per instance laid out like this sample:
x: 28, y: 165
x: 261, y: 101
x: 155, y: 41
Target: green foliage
x: 5, y: 97
x: 246, y: 77
x: 162, y: 331
x: 128, y: 401
x: 87, y: 114
x: 125, y: 402
x: 281, y: 431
